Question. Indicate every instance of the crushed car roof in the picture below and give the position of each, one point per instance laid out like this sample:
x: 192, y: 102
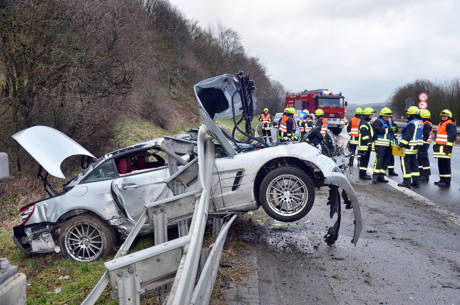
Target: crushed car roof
x: 49, y: 147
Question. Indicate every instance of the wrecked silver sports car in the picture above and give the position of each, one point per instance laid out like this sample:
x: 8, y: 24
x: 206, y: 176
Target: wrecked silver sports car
x: 103, y: 202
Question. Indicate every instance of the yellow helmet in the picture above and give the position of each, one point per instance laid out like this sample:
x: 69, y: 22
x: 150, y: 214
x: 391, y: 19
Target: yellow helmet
x: 425, y: 113
x: 319, y: 112
x: 292, y: 110
x: 306, y: 112
x: 286, y: 110
x: 265, y: 109
x: 359, y: 110
x: 385, y: 111
x: 413, y: 110
x: 446, y: 112
x: 368, y: 111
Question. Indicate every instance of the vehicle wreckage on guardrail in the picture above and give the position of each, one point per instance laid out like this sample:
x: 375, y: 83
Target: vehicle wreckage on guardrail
x: 135, y: 191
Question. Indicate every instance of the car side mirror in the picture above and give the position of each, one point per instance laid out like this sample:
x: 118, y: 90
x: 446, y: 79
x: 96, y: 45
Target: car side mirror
x: 346, y: 103
x: 4, y: 172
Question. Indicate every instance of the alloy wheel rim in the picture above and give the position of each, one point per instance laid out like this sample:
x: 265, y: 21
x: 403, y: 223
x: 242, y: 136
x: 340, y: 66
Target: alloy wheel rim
x: 287, y: 195
x: 83, y: 242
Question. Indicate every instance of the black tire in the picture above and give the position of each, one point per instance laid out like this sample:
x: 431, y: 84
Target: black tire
x: 298, y: 180
x: 86, y: 238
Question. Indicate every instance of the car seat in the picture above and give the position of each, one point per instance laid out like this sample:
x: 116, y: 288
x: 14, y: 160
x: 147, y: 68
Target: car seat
x: 124, y: 165
x: 140, y: 162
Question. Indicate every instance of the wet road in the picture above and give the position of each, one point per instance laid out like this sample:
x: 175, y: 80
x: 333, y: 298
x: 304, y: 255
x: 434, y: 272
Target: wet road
x: 407, y: 254
x: 447, y: 198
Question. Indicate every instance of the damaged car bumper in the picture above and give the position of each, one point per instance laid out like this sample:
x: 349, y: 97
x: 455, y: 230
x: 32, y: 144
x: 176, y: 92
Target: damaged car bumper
x: 35, y: 239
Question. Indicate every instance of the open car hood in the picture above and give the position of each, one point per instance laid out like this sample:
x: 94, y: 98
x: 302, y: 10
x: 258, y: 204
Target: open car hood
x: 49, y: 147
x: 215, y: 97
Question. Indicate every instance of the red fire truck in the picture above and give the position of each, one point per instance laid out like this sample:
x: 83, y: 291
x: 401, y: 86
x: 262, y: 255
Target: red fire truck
x: 333, y: 106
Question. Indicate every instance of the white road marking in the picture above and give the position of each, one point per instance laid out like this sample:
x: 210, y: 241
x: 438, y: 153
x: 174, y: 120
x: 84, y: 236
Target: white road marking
x: 436, y: 207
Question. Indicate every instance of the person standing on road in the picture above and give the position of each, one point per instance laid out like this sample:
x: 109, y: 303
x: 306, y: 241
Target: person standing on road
x: 321, y: 121
x: 353, y: 131
x: 391, y: 159
x: 383, y: 136
x: 411, y: 140
x: 445, y: 141
x: 266, y: 122
x: 305, y: 124
x: 422, y: 156
x: 366, y: 136
x: 287, y: 126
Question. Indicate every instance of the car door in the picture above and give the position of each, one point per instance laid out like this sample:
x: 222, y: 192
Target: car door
x: 134, y: 190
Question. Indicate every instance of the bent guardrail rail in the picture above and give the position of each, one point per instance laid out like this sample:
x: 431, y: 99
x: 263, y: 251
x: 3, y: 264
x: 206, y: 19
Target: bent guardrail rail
x: 177, y: 260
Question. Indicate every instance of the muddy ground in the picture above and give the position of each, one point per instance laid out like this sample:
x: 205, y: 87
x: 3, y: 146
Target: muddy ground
x: 407, y: 254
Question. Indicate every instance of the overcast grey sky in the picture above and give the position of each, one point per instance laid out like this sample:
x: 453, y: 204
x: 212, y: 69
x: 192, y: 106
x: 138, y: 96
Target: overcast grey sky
x: 366, y: 49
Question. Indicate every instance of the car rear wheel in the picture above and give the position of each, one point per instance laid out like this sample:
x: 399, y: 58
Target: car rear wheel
x: 287, y: 194
x: 86, y: 238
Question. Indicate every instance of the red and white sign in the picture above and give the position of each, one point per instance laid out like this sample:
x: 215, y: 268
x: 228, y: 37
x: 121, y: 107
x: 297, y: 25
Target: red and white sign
x: 423, y: 97
x: 422, y: 105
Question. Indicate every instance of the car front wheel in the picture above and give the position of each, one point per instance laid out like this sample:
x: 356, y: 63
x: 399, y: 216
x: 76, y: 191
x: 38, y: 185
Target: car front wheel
x: 287, y: 194
x: 86, y: 238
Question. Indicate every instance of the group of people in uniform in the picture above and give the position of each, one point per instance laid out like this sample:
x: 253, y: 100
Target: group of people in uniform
x: 380, y: 136
x: 287, y: 126
x: 416, y: 138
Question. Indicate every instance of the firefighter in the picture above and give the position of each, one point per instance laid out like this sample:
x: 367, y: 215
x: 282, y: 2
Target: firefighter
x: 391, y: 159
x: 444, y: 142
x: 321, y: 121
x: 422, y: 156
x: 305, y: 124
x: 287, y: 126
x: 353, y: 131
x: 366, y: 136
x: 411, y: 139
x: 266, y: 122
x: 383, y: 136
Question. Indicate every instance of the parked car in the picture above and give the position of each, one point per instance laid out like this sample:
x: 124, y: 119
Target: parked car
x: 103, y: 202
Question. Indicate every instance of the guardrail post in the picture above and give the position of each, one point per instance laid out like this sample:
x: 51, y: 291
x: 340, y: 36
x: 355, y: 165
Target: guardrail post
x: 159, y: 220
x: 128, y: 286
x: 182, y: 227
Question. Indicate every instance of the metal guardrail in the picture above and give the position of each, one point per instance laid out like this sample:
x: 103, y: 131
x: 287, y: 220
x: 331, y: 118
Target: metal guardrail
x: 177, y: 260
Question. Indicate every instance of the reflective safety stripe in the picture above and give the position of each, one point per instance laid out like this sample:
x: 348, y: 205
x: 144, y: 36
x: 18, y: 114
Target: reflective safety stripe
x: 354, y: 140
x: 446, y: 176
x: 405, y: 174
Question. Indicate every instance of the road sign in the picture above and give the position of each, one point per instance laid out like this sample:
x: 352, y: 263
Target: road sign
x: 423, y: 97
x: 422, y: 105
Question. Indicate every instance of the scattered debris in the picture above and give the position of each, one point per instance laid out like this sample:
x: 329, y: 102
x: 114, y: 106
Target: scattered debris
x: 371, y: 231
x: 64, y: 277
x: 445, y: 284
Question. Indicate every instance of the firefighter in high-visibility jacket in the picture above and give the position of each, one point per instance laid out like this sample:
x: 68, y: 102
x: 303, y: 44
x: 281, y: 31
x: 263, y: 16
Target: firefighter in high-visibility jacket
x: 265, y: 120
x: 366, y: 136
x: 391, y: 159
x: 411, y: 140
x: 321, y: 121
x: 287, y: 126
x: 353, y: 131
x: 305, y: 124
x: 444, y: 142
x: 422, y: 155
x: 383, y: 136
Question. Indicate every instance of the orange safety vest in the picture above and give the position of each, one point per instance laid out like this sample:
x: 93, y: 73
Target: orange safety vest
x: 304, y: 125
x: 265, y: 118
x: 283, y: 126
x: 324, y: 126
x: 354, y: 130
x: 430, y: 139
x: 441, y: 134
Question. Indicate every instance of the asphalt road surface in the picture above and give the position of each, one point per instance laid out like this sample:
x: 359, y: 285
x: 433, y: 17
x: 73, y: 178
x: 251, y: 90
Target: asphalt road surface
x: 447, y: 198
x: 408, y: 253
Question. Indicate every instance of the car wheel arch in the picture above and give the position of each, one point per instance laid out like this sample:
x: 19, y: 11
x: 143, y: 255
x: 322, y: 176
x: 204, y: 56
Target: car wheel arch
x: 310, y: 168
x: 75, y: 212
